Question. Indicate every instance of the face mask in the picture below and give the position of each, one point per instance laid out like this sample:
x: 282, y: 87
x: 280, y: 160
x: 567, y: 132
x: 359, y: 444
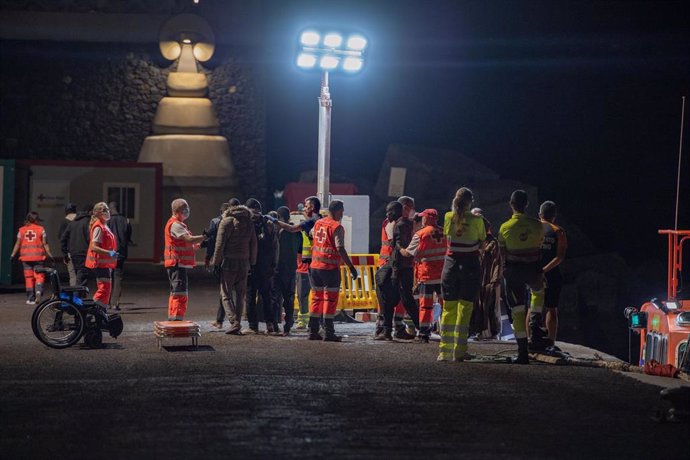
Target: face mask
x: 185, y: 213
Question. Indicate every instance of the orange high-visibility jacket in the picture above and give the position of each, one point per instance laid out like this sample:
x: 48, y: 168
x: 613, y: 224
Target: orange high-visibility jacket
x: 430, y: 254
x: 31, y: 248
x: 177, y: 251
x: 386, y: 245
x: 108, y: 242
x: 324, y: 254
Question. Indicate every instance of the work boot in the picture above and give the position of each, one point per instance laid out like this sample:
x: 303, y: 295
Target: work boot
x: 384, y: 335
x: 314, y: 325
x: 330, y: 332
x: 421, y: 339
x: 523, y: 355
x: 539, y: 339
x: 402, y: 334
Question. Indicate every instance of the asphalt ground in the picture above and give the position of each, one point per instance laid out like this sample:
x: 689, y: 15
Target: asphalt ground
x: 275, y: 397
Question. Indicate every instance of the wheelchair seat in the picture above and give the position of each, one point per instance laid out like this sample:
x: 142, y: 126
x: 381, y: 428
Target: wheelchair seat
x: 72, y: 289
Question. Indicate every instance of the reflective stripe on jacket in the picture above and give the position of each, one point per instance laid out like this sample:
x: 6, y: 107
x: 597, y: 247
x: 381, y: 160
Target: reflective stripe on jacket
x: 177, y: 251
x: 464, y: 242
x: 325, y: 255
x: 108, y: 242
x: 430, y: 254
x: 31, y: 248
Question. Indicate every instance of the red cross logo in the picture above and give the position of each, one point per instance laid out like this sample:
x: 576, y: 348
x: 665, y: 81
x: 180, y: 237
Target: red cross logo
x: 437, y: 236
x: 30, y: 235
x: 321, y: 235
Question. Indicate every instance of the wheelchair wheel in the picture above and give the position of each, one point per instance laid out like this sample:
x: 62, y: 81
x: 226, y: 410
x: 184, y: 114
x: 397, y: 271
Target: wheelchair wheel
x: 57, y: 324
x: 93, y: 338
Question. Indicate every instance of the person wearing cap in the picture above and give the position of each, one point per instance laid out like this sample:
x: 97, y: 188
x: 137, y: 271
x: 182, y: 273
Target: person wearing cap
x: 70, y: 214
x: 428, y: 247
x: 32, y: 246
x: 460, y: 278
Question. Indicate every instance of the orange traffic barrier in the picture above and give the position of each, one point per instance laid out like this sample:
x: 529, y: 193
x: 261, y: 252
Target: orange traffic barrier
x: 361, y: 293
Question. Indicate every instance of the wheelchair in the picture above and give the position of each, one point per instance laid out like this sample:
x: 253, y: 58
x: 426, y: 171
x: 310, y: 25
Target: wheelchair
x: 63, y: 319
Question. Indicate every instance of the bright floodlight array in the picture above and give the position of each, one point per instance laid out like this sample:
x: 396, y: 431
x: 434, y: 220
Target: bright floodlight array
x: 331, y: 51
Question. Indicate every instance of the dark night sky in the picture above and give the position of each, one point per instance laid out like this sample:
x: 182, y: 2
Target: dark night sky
x: 579, y: 98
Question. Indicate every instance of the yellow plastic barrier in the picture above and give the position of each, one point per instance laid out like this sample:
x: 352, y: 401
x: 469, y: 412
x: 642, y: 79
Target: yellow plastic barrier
x: 359, y: 294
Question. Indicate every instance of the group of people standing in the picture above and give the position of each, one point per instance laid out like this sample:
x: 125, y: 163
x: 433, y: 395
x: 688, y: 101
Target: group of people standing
x: 464, y: 266
x: 257, y: 258
x: 94, y: 244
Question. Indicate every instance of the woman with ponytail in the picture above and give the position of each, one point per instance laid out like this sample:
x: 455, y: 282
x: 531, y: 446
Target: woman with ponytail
x: 461, y: 275
x: 102, y: 253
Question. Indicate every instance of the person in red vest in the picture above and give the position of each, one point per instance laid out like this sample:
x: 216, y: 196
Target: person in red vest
x: 101, y: 257
x: 32, y: 246
x: 324, y: 272
x: 180, y: 245
x: 428, y: 247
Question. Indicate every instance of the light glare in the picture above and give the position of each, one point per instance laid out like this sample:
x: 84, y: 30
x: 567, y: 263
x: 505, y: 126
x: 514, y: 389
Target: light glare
x: 328, y: 62
x: 356, y: 42
x: 333, y: 40
x: 306, y: 61
x: 352, y: 64
x: 310, y: 38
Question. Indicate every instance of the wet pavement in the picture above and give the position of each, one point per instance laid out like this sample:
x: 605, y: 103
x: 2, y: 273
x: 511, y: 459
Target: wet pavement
x: 277, y: 397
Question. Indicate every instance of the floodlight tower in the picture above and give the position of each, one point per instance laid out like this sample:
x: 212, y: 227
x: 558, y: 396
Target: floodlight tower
x: 328, y: 52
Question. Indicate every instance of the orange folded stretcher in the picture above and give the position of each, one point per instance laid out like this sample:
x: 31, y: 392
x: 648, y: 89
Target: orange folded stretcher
x: 176, y: 329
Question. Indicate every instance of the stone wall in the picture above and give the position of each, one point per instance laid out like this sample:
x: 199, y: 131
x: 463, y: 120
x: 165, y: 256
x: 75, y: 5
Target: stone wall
x: 78, y: 101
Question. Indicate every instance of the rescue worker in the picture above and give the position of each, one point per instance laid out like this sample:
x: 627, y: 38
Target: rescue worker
x: 486, y: 315
x: 290, y: 247
x: 75, y: 243
x: 102, y: 254
x: 122, y: 230
x: 234, y: 252
x: 461, y: 275
x: 553, y: 251
x: 261, y: 275
x: 310, y: 210
x: 180, y: 245
x: 210, y: 244
x: 32, y: 246
x: 428, y: 247
x: 70, y: 214
x: 520, y: 240
x: 327, y: 253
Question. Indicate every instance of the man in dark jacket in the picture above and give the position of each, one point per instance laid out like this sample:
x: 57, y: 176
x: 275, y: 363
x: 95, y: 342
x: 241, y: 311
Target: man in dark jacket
x: 75, y: 242
x: 262, y: 272
x: 290, y: 245
x: 70, y: 214
x: 235, y: 251
x: 210, y: 245
x: 122, y: 230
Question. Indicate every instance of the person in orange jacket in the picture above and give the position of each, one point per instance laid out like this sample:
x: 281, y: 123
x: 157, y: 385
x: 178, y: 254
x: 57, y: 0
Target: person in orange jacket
x: 32, y: 246
x: 180, y: 245
x: 101, y: 257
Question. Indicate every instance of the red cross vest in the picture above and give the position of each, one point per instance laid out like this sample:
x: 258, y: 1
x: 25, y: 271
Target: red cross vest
x: 430, y: 254
x: 31, y: 249
x: 177, y: 251
x: 324, y: 254
x: 386, y: 245
x: 108, y: 242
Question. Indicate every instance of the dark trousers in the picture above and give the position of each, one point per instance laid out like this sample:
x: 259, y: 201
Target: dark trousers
x: 284, y: 298
x: 233, y: 285
x: 392, y: 290
x: 261, y: 309
x: 83, y: 273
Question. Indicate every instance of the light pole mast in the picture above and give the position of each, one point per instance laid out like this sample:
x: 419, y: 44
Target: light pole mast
x: 323, y: 181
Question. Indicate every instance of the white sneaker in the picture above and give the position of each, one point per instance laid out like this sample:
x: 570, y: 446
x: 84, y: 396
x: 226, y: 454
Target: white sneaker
x: 31, y: 302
